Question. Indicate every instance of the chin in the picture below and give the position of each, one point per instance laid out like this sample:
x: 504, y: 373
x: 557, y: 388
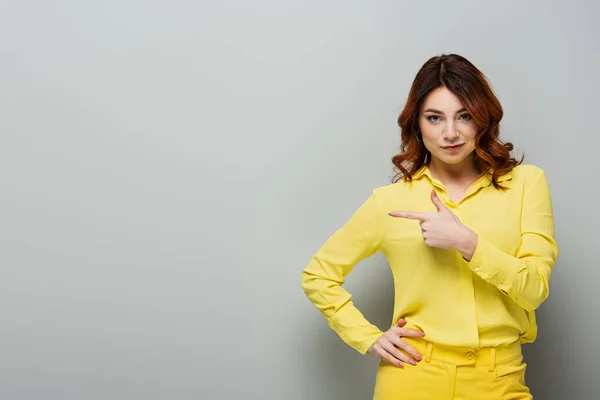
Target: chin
x: 451, y: 160
x: 457, y: 159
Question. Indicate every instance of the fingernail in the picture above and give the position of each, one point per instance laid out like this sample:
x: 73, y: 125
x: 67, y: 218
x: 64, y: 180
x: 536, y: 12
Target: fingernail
x: 419, y: 357
x: 413, y: 362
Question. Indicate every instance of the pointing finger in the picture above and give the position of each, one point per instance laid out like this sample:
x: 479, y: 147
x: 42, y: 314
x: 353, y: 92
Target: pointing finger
x: 409, y: 215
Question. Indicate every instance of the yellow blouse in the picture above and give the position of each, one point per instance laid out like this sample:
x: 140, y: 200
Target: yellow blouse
x: 488, y: 301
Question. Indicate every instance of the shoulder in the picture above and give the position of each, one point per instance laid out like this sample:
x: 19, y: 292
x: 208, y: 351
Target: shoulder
x: 391, y: 190
x: 525, y: 172
x: 395, y: 195
x: 528, y: 176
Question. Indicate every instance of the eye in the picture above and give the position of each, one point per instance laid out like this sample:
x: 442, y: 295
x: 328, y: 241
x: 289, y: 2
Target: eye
x: 429, y: 118
x: 465, y: 117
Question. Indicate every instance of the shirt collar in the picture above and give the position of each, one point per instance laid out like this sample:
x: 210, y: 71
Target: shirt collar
x: 486, y: 180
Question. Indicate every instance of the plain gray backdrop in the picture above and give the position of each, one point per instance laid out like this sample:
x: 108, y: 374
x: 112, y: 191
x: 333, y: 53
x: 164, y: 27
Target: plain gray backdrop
x: 169, y: 167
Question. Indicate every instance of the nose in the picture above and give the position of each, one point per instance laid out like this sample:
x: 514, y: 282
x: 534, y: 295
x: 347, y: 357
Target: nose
x: 450, y: 133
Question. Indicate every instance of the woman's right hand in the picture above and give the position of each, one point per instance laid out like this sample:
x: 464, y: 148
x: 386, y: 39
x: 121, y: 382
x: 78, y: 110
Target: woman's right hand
x: 387, y: 345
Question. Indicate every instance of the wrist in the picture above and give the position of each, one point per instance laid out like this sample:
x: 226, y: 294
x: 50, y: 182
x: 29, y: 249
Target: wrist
x: 467, y: 244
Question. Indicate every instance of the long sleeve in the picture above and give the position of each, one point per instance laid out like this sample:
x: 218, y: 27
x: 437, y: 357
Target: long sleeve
x: 323, y: 277
x: 524, y: 277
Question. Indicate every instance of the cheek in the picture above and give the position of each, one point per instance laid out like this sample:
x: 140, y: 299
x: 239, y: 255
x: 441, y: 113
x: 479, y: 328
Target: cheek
x: 469, y: 133
x: 430, y: 135
x: 470, y: 141
x: 430, y: 144
x: 470, y: 130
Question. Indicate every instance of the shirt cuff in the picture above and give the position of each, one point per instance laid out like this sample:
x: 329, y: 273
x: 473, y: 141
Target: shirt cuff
x: 354, y: 329
x: 493, y: 265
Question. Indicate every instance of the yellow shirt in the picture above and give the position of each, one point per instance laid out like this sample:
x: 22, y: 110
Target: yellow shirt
x: 488, y: 301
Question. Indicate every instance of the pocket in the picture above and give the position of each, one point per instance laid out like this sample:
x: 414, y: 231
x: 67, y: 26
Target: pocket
x: 512, y: 369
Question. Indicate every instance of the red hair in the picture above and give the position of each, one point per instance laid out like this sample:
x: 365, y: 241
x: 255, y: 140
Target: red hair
x: 469, y: 84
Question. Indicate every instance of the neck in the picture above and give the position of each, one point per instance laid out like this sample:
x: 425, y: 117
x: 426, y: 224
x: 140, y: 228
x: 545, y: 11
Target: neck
x: 454, y: 173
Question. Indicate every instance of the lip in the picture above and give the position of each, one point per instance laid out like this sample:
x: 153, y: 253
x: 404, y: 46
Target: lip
x: 454, y: 148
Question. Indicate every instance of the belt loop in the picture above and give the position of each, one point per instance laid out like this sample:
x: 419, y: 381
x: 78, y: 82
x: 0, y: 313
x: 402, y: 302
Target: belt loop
x: 428, y: 352
x: 492, y: 365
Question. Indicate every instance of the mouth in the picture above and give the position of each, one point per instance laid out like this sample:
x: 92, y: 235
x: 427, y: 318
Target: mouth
x: 453, y: 148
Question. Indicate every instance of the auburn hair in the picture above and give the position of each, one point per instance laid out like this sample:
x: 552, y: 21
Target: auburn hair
x: 470, y: 85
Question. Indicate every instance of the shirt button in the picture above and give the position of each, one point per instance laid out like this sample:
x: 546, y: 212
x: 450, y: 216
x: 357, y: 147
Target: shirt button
x: 477, y: 269
x: 470, y: 355
x: 359, y: 347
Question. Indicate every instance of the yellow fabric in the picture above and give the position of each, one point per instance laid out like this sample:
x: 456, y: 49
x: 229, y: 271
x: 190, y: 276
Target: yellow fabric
x: 455, y: 373
x: 489, y: 301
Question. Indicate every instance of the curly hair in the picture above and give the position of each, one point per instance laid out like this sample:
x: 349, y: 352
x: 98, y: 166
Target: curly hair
x: 470, y: 85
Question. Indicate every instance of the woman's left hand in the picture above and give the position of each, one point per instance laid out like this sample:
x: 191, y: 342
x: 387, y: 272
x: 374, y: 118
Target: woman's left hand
x: 442, y: 228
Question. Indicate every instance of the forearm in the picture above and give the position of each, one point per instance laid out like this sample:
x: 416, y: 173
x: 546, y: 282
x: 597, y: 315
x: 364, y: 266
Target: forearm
x: 524, y: 279
x: 335, y: 303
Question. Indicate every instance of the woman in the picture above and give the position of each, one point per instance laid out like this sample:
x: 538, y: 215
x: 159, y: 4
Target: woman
x: 469, y: 235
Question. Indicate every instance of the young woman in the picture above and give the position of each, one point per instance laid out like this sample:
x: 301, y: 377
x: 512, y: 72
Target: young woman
x: 469, y: 235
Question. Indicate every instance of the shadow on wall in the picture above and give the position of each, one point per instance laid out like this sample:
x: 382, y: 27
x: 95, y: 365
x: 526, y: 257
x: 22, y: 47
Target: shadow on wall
x: 544, y: 369
x: 336, y: 370
x: 555, y: 361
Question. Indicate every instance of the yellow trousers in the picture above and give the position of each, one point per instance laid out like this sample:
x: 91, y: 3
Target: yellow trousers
x: 454, y: 373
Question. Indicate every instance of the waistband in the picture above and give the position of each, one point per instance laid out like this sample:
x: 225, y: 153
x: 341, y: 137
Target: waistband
x: 479, y: 357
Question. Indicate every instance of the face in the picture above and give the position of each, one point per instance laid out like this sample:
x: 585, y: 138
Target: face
x: 447, y: 129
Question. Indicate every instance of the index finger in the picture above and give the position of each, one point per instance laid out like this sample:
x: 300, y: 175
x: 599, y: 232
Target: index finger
x: 421, y: 216
x: 406, y: 332
x: 408, y: 348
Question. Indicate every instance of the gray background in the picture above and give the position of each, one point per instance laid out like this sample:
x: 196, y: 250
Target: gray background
x: 168, y: 169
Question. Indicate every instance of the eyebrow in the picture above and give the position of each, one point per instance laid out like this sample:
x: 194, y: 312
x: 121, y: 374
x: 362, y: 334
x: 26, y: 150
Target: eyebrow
x: 433, y: 110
